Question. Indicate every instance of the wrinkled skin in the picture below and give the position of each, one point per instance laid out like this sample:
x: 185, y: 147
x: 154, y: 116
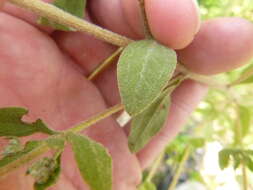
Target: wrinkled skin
x: 43, y: 70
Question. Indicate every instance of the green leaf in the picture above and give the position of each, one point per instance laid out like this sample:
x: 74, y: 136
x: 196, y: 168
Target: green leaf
x: 54, y: 176
x: 247, y: 81
x: 29, y: 147
x: 11, y: 123
x: 249, y: 164
x: 148, y: 123
x: 147, y: 186
x: 224, y: 157
x: 245, y: 117
x: 74, y: 7
x: 93, y: 160
x: 144, y: 69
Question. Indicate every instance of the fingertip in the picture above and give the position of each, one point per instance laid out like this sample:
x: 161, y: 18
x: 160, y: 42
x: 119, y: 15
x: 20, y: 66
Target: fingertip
x: 172, y: 22
x: 221, y: 45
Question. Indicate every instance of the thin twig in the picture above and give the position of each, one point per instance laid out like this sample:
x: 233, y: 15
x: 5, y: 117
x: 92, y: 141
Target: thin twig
x: 44, y: 147
x: 59, y: 16
x: 96, y: 118
x: 105, y: 64
x: 180, y: 168
x: 244, y: 177
x: 147, y: 30
x: 155, y: 167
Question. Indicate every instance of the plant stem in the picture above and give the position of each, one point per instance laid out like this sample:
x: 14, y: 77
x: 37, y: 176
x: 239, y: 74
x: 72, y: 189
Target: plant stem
x: 245, y: 76
x: 44, y: 147
x: 57, y: 15
x: 202, y: 79
x: 147, y: 31
x: 244, y: 177
x: 180, y: 168
x: 107, y: 62
x: 96, y: 118
x: 155, y: 167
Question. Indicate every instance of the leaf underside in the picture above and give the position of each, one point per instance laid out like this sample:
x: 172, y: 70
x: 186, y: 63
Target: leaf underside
x: 11, y: 123
x: 144, y: 69
x: 94, y: 162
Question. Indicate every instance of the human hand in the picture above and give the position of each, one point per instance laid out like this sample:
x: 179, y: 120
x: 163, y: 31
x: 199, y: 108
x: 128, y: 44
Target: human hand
x: 43, y: 71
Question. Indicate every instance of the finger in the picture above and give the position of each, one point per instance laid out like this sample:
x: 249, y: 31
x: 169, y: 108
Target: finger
x: 172, y: 22
x: 221, y: 45
x: 184, y: 100
x: 54, y: 90
x: 1, y: 3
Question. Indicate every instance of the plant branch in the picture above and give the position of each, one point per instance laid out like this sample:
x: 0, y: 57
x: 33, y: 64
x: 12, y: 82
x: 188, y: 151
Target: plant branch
x: 155, y: 167
x: 202, y: 78
x: 59, y: 16
x: 244, y: 177
x: 96, y: 118
x: 147, y: 31
x: 44, y: 147
x: 106, y: 63
x: 180, y: 168
x: 243, y: 77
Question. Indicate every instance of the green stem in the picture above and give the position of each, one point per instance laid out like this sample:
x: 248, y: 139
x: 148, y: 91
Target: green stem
x: 239, y: 141
x: 202, y: 79
x: 96, y: 118
x: 180, y: 168
x: 244, y: 77
x: 147, y: 31
x: 106, y: 63
x: 155, y: 167
x: 244, y: 177
x: 59, y: 16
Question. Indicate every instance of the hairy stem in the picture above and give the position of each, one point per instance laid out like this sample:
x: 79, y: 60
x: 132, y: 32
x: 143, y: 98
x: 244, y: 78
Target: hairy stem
x: 180, y: 168
x: 147, y: 31
x: 106, y: 63
x: 96, y: 118
x: 59, y: 16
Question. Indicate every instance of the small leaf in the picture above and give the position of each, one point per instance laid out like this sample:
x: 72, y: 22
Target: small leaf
x: 147, y: 186
x: 148, y: 123
x: 29, y: 147
x: 74, y: 7
x: 54, y: 176
x: 11, y: 123
x: 224, y: 156
x: 237, y: 159
x: 144, y: 69
x: 249, y: 164
x: 14, y: 146
x: 245, y: 117
x: 93, y: 160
